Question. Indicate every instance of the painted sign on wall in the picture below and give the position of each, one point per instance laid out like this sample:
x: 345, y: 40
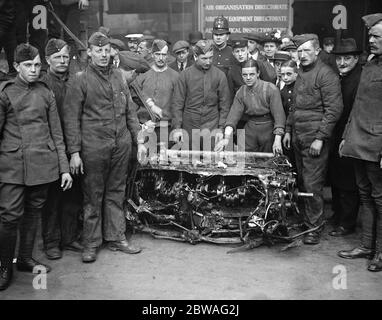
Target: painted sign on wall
x: 246, y: 16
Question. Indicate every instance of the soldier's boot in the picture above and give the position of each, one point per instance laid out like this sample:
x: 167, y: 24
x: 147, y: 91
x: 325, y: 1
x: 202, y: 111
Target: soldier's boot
x: 28, y: 230
x: 7, y: 249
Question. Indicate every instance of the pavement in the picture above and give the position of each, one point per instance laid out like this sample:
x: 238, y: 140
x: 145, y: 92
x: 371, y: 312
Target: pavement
x: 171, y: 270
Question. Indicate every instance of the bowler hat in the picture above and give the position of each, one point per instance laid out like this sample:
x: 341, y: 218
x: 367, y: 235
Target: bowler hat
x: 346, y: 46
x: 194, y: 37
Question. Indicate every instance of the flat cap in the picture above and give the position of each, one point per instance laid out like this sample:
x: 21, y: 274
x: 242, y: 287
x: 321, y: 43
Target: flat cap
x: 158, y: 45
x: 371, y: 19
x: 116, y: 43
x: 203, y: 46
x: 302, y: 38
x: 180, y: 45
x: 98, y: 39
x: 194, y: 37
x: 24, y: 52
x: 54, y: 45
x: 133, y: 61
x: 255, y: 36
x: 239, y: 43
x: 281, y: 56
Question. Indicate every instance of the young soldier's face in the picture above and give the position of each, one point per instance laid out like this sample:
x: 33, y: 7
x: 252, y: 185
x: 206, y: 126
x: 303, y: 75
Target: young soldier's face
x: 250, y: 75
x: 29, y: 70
x: 160, y: 57
x: 59, y: 61
x: 346, y: 63
x: 100, y: 56
x: 241, y: 54
x: 205, y: 60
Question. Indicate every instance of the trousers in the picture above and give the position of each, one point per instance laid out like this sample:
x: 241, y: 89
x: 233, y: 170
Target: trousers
x: 104, y: 186
x: 61, y: 214
x: 369, y: 180
x: 19, y: 204
x: 312, y: 173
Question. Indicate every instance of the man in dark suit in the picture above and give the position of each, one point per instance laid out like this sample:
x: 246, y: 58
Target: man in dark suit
x: 182, y: 55
x: 345, y: 196
x: 32, y: 155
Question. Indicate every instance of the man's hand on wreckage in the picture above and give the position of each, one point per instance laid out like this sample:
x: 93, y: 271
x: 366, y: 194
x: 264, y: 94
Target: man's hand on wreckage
x: 315, y: 148
x: 76, y: 165
x: 142, y: 153
x: 177, y: 135
x: 66, y: 181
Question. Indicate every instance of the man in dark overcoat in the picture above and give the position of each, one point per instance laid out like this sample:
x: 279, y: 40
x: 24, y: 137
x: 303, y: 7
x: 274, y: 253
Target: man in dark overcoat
x: 60, y: 219
x: 363, y: 142
x: 345, y: 198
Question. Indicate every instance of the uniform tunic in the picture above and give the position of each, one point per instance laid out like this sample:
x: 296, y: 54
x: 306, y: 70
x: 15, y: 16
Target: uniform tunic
x: 61, y: 213
x: 363, y: 133
x: 223, y: 58
x: 32, y: 150
x: 101, y: 124
x: 262, y: 106
x: 201, y: 99
x: 160, y: 87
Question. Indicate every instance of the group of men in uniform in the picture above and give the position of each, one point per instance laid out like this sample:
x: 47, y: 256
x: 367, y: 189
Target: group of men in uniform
x: 67, y: 145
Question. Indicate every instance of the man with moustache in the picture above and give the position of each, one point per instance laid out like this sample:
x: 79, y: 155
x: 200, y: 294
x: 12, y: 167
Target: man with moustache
x: 222, y: 53
x: 316, y: 109
x: 32, y: 155
x: 60, y: 227
x: 345, y: 197
x: 201, y: 97
x: 363, y: 142
x: 100, y: 128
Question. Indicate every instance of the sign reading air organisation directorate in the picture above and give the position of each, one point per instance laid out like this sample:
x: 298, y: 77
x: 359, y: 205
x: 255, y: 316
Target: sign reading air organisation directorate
x: 246, y: 16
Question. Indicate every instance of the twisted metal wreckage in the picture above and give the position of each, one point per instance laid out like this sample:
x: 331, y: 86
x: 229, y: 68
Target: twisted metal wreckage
x: 246, y: 198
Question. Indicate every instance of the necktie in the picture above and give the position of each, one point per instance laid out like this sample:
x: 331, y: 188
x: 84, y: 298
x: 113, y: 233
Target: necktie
x: 181, y: 66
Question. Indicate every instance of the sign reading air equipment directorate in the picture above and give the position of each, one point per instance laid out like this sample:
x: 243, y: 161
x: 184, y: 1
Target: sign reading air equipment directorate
x: 247, y: 16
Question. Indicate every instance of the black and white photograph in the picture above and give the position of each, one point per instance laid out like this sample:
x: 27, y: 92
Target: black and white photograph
x: 190, y: 156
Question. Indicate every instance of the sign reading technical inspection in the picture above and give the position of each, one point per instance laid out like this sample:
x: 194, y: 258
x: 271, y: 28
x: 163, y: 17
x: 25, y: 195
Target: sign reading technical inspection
x: 248, y: 16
